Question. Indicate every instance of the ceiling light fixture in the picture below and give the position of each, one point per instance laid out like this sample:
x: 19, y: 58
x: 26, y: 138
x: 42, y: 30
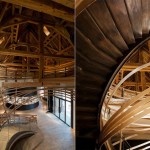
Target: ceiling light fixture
x: 46, y: 31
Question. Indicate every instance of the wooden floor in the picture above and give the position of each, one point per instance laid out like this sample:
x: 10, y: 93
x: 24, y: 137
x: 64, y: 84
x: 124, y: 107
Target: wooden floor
x: 54, y: 133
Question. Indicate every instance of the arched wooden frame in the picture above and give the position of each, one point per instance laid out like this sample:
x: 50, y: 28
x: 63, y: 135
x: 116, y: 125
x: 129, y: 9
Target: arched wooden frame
x: 109, y: 130
x: 133, y: 50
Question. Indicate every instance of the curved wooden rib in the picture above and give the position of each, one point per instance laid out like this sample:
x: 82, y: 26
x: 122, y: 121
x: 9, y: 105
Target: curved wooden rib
x: 126, y: 122
x: 126, y: 77
x: 127, y: 104
x: 126, y: 115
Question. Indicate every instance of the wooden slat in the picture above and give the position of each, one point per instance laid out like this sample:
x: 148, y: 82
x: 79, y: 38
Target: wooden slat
x: 145, y: 16
x: 135, y: 15
x: 96, y: 35
x: 127, y: 114
x: 4, y: 26
x: 83, y: 61
x: 98, y: 56
x: 126, y: 138
x: 47, y: 8
x: 82, y: 4
x: 133, y: 100
x: 120, y: 15
x: 29, y: 54
x: 106, y: 23
x: 139, y: 145
x: 56, y: 82
x: 67, y: 3
x: 127, y: 122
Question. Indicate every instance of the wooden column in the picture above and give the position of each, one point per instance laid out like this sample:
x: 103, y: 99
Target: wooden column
x: 28, y: 49
x: 41, y: 58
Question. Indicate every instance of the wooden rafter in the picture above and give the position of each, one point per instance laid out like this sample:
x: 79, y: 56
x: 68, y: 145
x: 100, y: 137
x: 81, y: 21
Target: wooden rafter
x: 45, y: 8
x: 57, y: 82
x: 32, y: 55
x: 67, y: 3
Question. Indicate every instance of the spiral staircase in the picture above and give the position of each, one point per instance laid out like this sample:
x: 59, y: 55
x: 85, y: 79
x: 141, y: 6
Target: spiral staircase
x: 107, y: 34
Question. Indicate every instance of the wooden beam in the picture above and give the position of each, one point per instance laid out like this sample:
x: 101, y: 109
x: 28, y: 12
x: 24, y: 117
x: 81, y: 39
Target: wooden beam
x: 23, y: 44
x: 56, y: 82
x: 131, y: 66
x: 68, y: 64
x: 82, y: 4
x: 66, y: 49
x: 124, y: 106
x: 67, y: 3
x: 41, y: 58
x: 135, y: 115
x: 13, y: 64
x: 126, y: 138
x: 47, y: 8
x: 51, y: 37
x: 13, y: 24
x: 130, y: 83
x: 138, y: 146
x: 35, y: 20
x: 32, y: 55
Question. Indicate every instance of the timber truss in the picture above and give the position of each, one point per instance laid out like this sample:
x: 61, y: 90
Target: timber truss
x: 36, y: 41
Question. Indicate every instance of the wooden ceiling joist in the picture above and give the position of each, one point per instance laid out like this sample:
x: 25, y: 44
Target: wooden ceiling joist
x: 82, y: 4
x: 16, y: 64
x: 47, y: 8
x: 60, y: 82
x: 29, y: 54
x: 13, y: 24
x: 67, y: 3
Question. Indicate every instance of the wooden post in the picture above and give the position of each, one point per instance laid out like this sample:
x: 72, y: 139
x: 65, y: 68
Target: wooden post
x: 41, y: 58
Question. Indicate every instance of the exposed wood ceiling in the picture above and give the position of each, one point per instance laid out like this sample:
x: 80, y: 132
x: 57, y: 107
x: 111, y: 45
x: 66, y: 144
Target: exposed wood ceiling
x: 140, y: 80
x: 36, y: 39
x: 55, y: 8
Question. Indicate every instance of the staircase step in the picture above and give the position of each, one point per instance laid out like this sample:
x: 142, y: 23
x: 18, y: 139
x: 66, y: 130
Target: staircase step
x: 104, y: 44
x: 135, y: 15
x: 106, y: 23
x: 123, y: 25
x: 96, y: 55
x: 83, y: 61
